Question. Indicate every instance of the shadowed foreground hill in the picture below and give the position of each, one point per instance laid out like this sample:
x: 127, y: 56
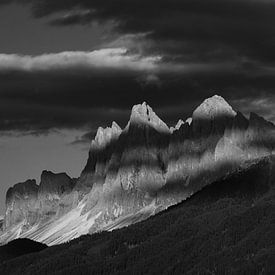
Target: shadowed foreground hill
x: 226, y: 228
x: 18, y: 248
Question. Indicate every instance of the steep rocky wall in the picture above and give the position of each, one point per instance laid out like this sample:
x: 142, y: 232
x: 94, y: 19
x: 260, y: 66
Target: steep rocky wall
x: 21, y: 202
x: 28, y: 203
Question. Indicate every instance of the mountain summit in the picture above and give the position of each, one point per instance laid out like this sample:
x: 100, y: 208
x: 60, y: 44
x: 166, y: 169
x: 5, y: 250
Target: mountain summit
x: 105, y: 135
x: 212, y: 117
x: 144, y: 114
x: 213, y: 107
x: 138, y: 171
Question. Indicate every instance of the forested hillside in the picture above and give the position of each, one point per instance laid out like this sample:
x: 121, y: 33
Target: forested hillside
x: 226, y: 228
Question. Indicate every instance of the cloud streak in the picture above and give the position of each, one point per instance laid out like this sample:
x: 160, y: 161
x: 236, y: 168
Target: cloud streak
x: 192, y: 29
x: 111, y: 58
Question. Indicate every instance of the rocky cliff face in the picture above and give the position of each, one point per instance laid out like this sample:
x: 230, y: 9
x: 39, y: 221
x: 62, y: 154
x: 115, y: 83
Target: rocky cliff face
x: 1, y: 223
x: 28, y: 203
x: 52, y: 188
x: 21, y: 203
x: 134, y: 172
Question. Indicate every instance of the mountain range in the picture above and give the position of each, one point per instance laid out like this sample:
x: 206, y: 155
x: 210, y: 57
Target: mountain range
x: 226, y: 228
x: 137, y: 172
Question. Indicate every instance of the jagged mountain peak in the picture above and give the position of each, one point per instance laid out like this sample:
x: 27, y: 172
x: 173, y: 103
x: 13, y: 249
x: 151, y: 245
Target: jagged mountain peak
x: 179, y: 123
x: 115, y: 126
x: 177, y: 126
x: 144, y: 114
x: 189, y: 120
x: 215, y: 106
x: 106, y: 135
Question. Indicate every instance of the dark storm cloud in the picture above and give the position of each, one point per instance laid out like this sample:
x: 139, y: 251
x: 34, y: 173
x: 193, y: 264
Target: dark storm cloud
x: 206, y: 47
x: 37, y: 100
x: 69, y: 89
x: 192, y: 29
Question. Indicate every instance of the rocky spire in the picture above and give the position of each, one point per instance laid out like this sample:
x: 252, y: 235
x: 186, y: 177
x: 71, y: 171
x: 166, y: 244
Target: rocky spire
x: 144, y: 114
x: 105, y: 136
x: 189, y: 120
x: 177, y: 126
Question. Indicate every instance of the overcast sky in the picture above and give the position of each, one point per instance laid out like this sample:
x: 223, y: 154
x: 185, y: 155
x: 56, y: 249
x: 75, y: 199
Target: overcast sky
x: 67, y: 67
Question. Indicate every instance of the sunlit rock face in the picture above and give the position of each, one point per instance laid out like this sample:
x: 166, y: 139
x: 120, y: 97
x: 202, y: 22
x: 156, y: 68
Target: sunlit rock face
x: 137, y: 171
x: 101, y: 149
x: 177, y: 126
x: 192, y: 147
x: 133, y: 169
x: 216, y: 142
x: 143, y: 114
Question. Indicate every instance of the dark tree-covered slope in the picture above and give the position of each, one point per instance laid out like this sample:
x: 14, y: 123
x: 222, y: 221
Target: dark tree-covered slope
x: 226, y: 228
x: 18, y: 248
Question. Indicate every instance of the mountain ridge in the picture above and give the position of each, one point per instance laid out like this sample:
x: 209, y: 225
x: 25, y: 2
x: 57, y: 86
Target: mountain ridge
x: 138, y: 171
